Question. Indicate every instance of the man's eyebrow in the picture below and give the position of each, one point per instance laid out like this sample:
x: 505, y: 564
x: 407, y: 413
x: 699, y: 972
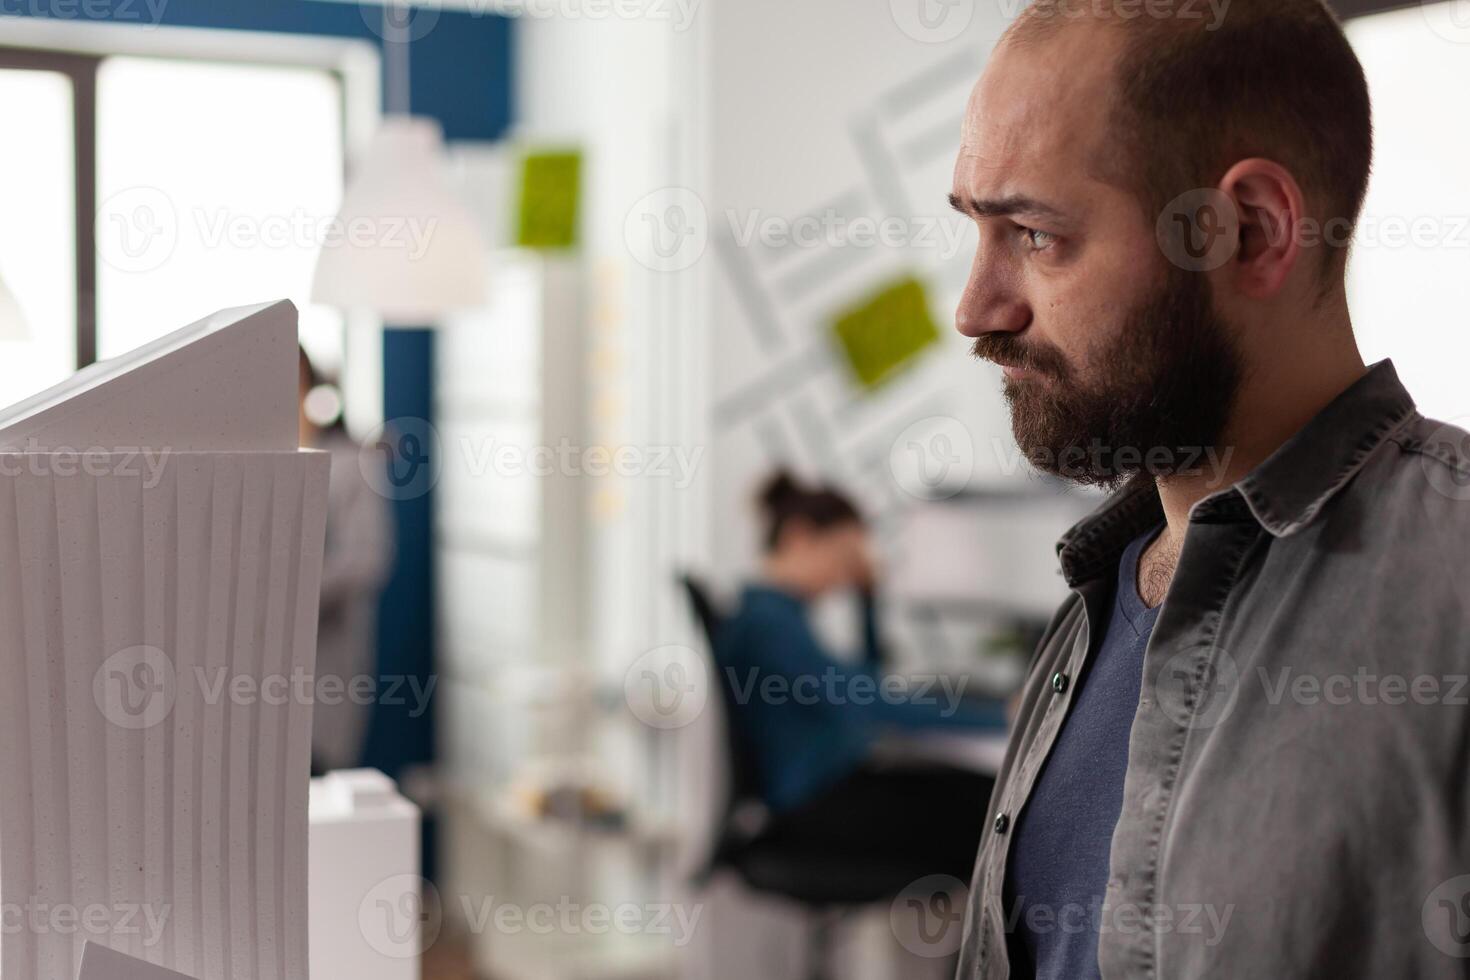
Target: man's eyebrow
x: 1004, y: 207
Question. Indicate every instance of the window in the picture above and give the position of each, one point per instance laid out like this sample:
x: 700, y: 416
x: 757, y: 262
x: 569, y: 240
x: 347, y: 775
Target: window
x: 214, y: 182
x: 38, y: 228
x: 141, y: 190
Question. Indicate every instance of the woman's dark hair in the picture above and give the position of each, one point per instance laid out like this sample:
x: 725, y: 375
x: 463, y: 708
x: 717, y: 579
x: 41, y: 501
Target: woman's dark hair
x: 783, y: 499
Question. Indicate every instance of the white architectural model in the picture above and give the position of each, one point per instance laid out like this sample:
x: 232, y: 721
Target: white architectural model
x: 160, y: 558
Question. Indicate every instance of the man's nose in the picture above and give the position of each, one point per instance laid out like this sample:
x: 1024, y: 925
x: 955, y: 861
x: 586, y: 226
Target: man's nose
x: 989, y: 306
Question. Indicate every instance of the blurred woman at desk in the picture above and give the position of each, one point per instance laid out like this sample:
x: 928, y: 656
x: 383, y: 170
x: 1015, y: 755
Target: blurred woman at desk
x: 811, y: 722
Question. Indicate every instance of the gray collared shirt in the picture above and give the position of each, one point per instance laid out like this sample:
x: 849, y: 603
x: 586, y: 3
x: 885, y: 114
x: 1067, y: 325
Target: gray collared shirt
x: 1297, y: 801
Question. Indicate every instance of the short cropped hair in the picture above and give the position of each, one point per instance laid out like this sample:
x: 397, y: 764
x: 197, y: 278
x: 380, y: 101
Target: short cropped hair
x: 1271, y: 78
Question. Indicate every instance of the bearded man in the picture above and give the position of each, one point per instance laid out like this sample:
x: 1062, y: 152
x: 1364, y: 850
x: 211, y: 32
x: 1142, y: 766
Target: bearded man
x: 1242, y: 748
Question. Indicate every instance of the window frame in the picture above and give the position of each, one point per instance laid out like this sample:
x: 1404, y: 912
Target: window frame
x: 81, y: 70
x: 78, y: 52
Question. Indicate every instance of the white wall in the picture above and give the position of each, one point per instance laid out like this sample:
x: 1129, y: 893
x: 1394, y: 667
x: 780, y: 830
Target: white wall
x: 833, y: 106
x: 752, y: 110
x: 1409, y: 279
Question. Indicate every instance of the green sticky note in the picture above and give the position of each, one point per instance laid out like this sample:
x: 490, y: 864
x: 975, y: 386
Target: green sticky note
x: 551, y: 184
x: 886, y: 331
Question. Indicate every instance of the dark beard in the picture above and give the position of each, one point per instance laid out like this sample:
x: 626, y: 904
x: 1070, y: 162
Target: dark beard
x: 1154, y: 401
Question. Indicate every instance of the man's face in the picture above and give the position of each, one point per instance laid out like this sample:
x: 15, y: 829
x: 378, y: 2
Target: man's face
x: 1114, y: 359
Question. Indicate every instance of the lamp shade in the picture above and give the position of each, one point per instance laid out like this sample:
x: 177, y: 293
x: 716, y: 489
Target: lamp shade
x: 405, y: 247
x: 12, y: 320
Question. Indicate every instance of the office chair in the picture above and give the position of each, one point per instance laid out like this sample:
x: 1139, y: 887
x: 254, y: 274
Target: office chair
x: 829, y: 884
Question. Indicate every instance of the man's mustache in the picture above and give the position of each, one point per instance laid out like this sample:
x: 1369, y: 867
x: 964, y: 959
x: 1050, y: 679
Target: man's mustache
x: 1008, y: 350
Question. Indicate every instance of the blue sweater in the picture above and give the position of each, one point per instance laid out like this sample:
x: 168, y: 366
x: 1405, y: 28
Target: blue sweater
x: 808, y: 719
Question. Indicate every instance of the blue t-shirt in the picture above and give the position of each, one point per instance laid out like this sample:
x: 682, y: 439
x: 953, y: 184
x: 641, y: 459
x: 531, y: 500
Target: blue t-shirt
x: 1058, y: 868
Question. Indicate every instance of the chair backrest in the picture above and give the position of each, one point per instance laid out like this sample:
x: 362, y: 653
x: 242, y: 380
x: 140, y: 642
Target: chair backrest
x: 710, y: 618
x: 744, y: 786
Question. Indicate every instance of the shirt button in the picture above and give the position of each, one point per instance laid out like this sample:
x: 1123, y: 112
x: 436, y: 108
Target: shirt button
x: 1059, y: 682
x: 1001, y: 823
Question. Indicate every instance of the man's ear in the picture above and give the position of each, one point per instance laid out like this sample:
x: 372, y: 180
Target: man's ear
x: 1271, y: 208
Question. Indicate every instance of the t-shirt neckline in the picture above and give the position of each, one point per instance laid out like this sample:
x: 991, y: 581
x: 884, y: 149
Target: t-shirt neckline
x: 1129, y: 601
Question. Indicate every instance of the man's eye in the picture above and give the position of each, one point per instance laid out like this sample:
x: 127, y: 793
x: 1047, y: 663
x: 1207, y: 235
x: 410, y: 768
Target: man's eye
x: 1037, y: 240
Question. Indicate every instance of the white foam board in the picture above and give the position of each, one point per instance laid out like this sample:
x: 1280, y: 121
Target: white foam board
x: 214, y: 385
x: 153, y: 782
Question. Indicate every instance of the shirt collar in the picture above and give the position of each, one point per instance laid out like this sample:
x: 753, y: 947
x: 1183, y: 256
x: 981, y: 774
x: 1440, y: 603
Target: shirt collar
x: 1284, y: 493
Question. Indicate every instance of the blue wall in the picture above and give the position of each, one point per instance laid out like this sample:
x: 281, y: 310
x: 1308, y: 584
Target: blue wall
x: 461, y: 67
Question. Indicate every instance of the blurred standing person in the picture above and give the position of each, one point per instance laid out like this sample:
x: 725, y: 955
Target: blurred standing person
x: 359, y: 553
